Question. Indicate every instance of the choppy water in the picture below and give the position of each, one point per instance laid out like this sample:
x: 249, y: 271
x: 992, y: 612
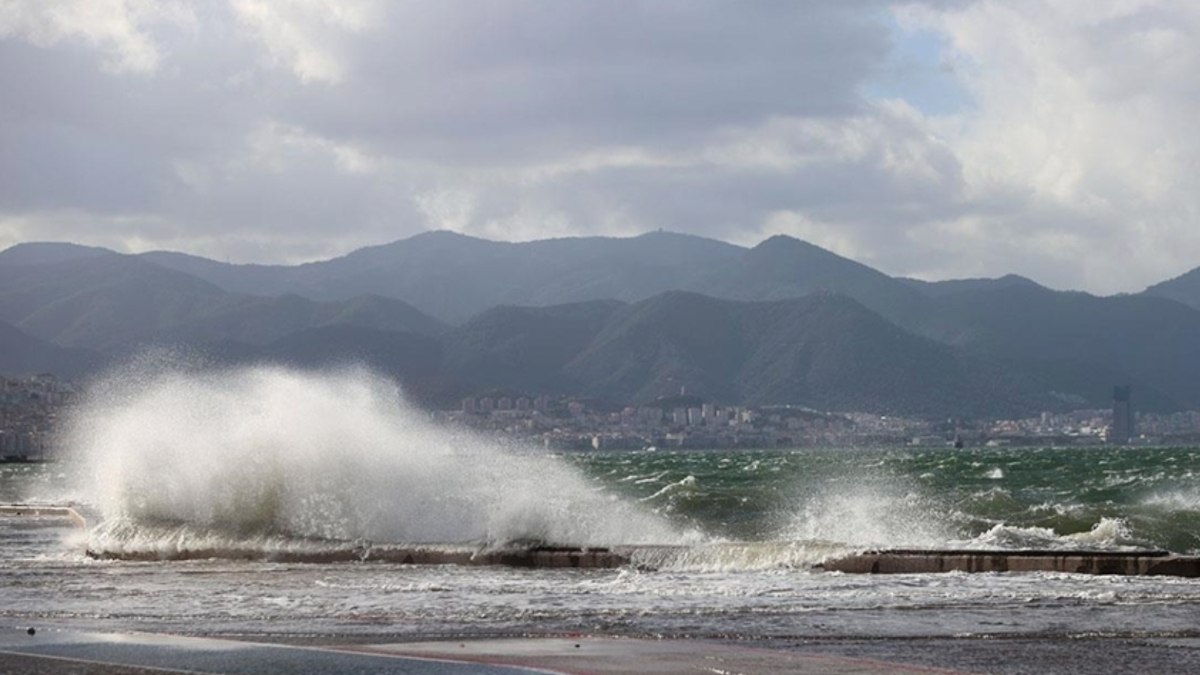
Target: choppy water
x: 272, y: 458
x: 1081, y: 498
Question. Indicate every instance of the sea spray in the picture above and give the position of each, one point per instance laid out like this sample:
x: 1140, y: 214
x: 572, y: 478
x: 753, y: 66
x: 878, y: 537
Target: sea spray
x: 1107, y: 535
x: 874, y: 512
x: 267, y: 452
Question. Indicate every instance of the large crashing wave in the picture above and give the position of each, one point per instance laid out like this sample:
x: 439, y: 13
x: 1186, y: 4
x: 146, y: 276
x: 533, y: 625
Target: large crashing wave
x: 268, y: 451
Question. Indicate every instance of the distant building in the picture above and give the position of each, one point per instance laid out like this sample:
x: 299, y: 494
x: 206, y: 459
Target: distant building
x: 1123, y: 428
x: 650, y: 414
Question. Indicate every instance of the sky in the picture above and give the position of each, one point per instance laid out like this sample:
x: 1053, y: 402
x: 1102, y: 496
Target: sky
x: 940, y: 139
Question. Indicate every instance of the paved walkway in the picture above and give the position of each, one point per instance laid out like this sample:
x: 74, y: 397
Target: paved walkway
x: 602, y: 656
x: 61, y: 652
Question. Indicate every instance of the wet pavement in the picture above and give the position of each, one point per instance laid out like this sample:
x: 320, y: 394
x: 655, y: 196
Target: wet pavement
x: 61, y: 652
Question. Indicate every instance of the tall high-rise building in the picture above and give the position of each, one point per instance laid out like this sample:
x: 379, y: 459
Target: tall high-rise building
x: 1122, y: 429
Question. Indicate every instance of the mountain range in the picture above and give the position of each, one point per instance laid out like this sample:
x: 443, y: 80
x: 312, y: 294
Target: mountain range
x: 625, y: 319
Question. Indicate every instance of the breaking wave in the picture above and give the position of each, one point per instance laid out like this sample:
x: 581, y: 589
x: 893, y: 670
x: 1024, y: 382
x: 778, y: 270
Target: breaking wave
x: 273, y: 463
x: 1107, y: 535
x: 264, y: 455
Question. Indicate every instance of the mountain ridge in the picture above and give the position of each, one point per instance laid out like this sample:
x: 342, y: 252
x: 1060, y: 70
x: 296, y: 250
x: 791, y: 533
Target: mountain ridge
x: 552, y: 315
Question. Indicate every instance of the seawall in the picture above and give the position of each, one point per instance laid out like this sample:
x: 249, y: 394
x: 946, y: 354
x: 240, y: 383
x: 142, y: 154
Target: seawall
x: 1131, y: 563
x: 1139, y: 563
x: 893, y: 561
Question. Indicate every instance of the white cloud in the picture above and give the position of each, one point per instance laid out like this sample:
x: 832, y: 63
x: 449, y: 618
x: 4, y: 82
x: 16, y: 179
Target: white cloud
x: 278, y: 147
x: 308, y: 36
x: 1081, y: 134
x: 121, y: 29
x: 275, y: 131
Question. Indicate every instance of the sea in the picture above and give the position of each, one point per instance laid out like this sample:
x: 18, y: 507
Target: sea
x: 270, y: 460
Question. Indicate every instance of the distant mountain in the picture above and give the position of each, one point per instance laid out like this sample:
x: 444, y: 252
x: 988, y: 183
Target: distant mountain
x: 1092, y: 341
x: 939, y: 289
x: 415, y: 361
x: 246, y: 279
x: 41, y: 253
x: 825, y: 351
x: 405, y: 355
x: 109, y: 301
x: 1184, y: 288
x: 784, y: 267
x: 454, y: 277
x: 525, y: 348
x: 629, y: 320
x: 260, y: 320
x: 103, y: 301
x: 23, y: 354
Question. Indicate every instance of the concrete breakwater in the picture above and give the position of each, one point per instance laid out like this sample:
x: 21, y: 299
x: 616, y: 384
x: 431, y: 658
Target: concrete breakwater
x: 893, y: 561
x: 1137, y: 563
x: 43, y: 511
x: 1132, y: 563
x: 540, y: 557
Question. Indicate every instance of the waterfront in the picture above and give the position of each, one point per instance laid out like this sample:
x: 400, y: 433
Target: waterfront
x: 272, y: 460
x: 1096, y: 498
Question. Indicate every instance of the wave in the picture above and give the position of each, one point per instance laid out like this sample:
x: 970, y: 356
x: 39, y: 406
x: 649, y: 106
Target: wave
x: 739, y: 556
x: 874, y: 514
x: 1174, y: 501
x: 123, y: 540
x: 265, y: 451
x: 1109, y: 534
x: 273, y: 463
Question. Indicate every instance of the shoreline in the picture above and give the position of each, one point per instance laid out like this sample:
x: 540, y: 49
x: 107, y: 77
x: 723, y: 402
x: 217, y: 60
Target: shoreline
x: 63, y: 651
x: 54, y: 651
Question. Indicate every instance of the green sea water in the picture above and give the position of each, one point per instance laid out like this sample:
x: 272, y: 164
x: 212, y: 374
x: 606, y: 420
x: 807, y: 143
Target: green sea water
x: 1098, y: 497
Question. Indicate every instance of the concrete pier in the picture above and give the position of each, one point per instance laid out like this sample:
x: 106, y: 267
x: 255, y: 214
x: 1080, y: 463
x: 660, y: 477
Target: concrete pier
x: 1138, y: 563
x: 1132, y: 563
x: 892, y: 561
x: 43, y: 511
x: 540, y: 557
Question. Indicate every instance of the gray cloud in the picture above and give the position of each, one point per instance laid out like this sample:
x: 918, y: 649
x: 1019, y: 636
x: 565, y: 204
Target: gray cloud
x: 251, y: 130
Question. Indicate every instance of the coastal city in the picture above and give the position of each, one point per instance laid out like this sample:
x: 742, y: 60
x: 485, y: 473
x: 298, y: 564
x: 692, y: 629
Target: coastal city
x: 30, y: 408
x: 689, y: 422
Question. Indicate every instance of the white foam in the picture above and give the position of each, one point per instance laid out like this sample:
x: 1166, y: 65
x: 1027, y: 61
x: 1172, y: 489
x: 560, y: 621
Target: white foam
x: 739, y: 556
x: 1107, y: 534
x: 269, y: 451
x: 1174, y: 500
x: 687, y: 485
x: 874, y: 513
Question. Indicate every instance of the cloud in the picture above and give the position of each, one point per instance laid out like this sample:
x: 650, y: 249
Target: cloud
x: 934, y: 138
x: 119, y: 29
x: 1078, y: 154
x: 297, y: 34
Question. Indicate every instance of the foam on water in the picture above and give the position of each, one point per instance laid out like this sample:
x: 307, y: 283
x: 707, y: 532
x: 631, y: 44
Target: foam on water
x: 264, y: 452
x: 740, y: 556
x: 269, y: 459
x: 874, y: 514
x: 1106, y: 535
x: 1177, y: 500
